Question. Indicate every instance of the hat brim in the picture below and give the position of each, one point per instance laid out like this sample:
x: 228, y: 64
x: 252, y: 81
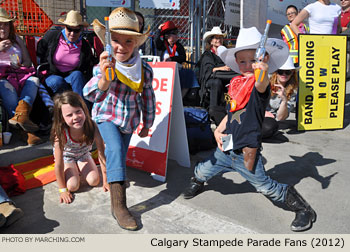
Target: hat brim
x: 276, y: 48
x: 63, y: 21
x: 210, y: 34
x: 100, y: 31
x: 3, y: 19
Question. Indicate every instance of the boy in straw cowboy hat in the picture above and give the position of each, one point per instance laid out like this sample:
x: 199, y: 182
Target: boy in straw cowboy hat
x: 243, y: 123
x: 117, y: 103
x: 68, y: 54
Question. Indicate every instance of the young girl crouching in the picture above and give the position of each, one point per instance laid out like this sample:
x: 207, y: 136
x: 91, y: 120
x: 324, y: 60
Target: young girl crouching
x: 73, y: 133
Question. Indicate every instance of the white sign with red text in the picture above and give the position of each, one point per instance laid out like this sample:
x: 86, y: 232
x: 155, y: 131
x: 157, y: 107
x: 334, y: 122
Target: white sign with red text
x: 109, y: 3
x: 167, y: 137
x: 160, y: 4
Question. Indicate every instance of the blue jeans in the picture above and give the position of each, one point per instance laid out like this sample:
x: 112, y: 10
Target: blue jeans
x: 3, y: 196
x: 59, y: 84
x: 187, y: 78
x: 117, y: 144
x: 220, y: 162
x: 10, y: 98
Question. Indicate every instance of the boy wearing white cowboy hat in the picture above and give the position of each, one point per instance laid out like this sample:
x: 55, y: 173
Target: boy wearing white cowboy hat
x: 243, y: 123
x: 68, y: 54
x: 117, y: 103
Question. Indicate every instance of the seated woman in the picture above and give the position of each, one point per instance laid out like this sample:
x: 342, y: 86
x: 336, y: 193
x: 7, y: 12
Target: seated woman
x: 18, y: 86
x: 69, y: 55
x: 284, y: 86
x: 169, y: 48
x: 209, y: 63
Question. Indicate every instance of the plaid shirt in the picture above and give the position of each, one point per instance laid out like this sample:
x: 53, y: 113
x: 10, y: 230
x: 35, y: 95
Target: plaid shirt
x: 120, y: 104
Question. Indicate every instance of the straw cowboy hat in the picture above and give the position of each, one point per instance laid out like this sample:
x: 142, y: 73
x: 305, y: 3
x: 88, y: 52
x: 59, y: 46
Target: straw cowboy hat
x: 249, y: 38
x: 4, y: 16
x: 73, y: 18
x: 121, y: 21
x: 215, y: 31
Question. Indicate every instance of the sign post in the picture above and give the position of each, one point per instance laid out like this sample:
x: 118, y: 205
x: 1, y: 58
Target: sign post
x: 167, y: 137
x: 322, y: 81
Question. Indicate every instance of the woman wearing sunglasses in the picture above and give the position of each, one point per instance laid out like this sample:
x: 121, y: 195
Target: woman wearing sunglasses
x: 68, y: 54
x: 284, y: 85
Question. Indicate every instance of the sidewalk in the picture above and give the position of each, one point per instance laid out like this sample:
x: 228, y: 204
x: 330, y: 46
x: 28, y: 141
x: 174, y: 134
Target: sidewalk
x: 316, y: 162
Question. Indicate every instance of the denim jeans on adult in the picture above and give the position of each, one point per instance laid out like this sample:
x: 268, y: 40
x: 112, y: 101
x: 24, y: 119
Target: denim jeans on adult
x: 10, y: 98
x: 59, y: 84
x: 188, y: 78
x: 3, y: 196
x: 220, y: 162
x: 117, y: 145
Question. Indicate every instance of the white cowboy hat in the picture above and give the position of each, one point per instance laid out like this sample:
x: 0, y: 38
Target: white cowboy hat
x: 289, y: 65
x: 4, y: 16
x: 215, y: 31
x: 73, y: 18
x: 249, y: 38
x: 122, y: 21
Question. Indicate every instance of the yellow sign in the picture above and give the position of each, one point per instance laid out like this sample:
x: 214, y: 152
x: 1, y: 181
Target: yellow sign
x: 322, y: 80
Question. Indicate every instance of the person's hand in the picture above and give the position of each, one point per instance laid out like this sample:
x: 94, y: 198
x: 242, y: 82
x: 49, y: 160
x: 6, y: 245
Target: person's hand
x: 105, y: 63
x: 269, y: 114
x: 225, y: 68
x: 66, y: 197
x: 5, y: 45
x: 218, y: 135
x: 261, y: 65
x: 280, y: 91
x: 105, y: 186
x: 144, y: 132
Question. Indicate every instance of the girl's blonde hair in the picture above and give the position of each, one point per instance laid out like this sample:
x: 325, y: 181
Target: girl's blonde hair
x: 291, y: 85
x: 58, y: 126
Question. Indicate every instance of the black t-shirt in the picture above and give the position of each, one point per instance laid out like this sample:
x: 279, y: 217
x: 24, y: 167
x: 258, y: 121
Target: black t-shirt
x: 245, y: 124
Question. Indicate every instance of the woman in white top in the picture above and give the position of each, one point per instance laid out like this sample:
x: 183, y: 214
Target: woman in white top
x: 323, y: 16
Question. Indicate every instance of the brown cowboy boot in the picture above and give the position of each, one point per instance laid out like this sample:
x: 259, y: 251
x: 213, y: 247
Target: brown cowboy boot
x: 2, y: 220
x: 118, y: 205
x: 34, y: 139
x: 10, y: 212
x: 21, y: 117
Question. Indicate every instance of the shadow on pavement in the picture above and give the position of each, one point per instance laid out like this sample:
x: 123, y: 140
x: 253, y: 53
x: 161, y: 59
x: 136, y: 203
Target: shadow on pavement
x: 177, y: 179
x: 34, y: 220
x: 293, y: 172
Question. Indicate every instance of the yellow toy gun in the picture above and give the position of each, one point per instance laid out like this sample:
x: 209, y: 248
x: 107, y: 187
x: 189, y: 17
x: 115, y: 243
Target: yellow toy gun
x: 110, y: 74
x: 260, y: 53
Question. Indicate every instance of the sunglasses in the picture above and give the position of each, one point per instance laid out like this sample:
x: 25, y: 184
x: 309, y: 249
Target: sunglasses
x: 284, y: 72
x: 69, y: 29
